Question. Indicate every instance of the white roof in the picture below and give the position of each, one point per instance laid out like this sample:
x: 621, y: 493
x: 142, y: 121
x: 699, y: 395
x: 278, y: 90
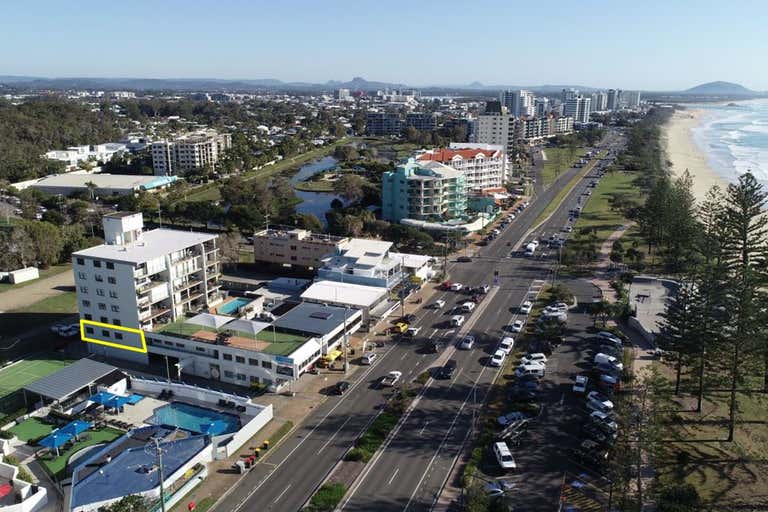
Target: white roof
x: 305, y: 351
x: 359, y: 247
x: 110, y: 181
x: 410, y: 260
x: 209, y: 320
x: 344, y: 293
x: 247, y: 326
x: 153, y: 244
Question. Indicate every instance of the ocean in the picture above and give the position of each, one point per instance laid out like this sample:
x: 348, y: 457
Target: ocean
x: 735, y: 138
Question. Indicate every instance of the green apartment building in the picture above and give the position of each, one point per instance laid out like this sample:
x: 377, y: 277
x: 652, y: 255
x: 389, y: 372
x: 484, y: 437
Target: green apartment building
x: 428, y: 191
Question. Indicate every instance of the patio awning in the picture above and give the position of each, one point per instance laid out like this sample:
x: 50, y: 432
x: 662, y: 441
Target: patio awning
x: 209, y: 320
x: 246, y: 326
x: 55, y: 439
x: 75, y: 428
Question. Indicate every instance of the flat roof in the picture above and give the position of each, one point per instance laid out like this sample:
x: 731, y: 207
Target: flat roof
x: 70, y: 379
x: 153, y: 244
x: 114, y: 181
x: 410, y: 260
x: 314, y: 318
x: 344, y: 293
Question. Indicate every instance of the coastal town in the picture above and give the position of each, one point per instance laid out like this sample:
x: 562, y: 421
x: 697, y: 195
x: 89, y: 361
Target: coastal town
x: 252, y: 294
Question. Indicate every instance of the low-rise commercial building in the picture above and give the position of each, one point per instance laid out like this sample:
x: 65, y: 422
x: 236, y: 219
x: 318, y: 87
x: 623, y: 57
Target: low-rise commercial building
x: 97, y: 185
x: 189, y: 152
x: 362, y: 261
x: 294, y: 247
x: 74, y: 156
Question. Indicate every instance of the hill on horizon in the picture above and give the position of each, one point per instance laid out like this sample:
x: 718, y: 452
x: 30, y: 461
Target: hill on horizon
x: 720, y: 88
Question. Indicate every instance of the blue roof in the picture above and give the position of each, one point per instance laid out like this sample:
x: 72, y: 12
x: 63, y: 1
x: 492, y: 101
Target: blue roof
x: 131, y: 470
x: 160, y: 181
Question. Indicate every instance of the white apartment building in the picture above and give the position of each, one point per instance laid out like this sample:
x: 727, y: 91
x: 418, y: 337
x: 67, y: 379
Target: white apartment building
x: 483, y: 165
x: 518, y: 103
x: 542, y: 106
x: 578, y: 107
x: 142, y: 280
x: 632, y: 99
x: 496, y: 129
x: 189, y: 152
x: 505, y: 129
x: 599, y: 101
x: 74, y: 156
x: 614, y: 99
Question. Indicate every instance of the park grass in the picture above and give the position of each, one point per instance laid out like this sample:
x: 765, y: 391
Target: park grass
x: 327, y: 497
x: 314, y: 186
x: 597, y: 214
x: 61, y: 303
x: 31, y: 428
x: 727, y: 475
x: 564, y: 192
x: 48, y: 272
x: 56, y: 466
x: 558, y: 161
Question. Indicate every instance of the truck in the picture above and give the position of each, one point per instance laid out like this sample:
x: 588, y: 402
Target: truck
x: 530, y: 249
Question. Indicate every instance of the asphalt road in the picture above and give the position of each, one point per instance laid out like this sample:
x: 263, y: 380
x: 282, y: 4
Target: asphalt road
x: 410, y: 471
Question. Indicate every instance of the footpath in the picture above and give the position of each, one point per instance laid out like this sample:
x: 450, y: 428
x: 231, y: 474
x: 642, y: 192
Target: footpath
x: 23, y: 296
x: 603, y: 269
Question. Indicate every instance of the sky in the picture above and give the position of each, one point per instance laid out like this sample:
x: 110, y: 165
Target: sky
x: 649, y: 44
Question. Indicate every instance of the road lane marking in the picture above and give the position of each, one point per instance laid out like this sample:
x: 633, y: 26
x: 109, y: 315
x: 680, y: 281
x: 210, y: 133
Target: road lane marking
x: 282, y: 493
x: 397, y: 470
x: 455, y: 378
x: 421, y: 432
x: 334, y: 435
x: 434, y: 331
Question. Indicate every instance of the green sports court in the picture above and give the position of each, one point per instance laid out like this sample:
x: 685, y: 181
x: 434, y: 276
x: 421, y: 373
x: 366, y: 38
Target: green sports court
x: 19, y: 374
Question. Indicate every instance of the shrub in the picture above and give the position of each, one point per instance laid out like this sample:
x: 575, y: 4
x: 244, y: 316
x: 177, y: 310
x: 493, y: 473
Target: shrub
x: 327, y: 498
x: 678, y: 498
x: 6, y: 434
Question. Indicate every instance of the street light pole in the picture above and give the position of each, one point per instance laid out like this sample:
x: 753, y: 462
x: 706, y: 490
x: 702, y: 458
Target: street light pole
x: 162, y: 477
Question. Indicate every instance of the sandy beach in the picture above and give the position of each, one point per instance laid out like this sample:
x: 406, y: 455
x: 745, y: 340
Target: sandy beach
x: 684, y: 154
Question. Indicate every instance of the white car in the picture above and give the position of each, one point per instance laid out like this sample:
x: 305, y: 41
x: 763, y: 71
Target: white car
x: 517, y: 326
x: 467, y: 342
x: 511, y: 417
x: 412, y: 332
x: 580, y: 386
x: 503, y: 455
x: 506, y: 344
x: 391, y: 378
x: 536, y: 357
x: 456, y: 287
x: 439, y: 303
x: 597, y: 397
x: 526, y: 307
x: 497, y: 359
x: 498, y: 488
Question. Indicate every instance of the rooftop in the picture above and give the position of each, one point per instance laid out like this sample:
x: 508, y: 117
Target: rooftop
x: 299, y: 234
x: 343, y: 293
x: 70, y: 379
x: 314, y: 318
x: 111, y: 181
x: 447, y: 155
x: 153, y: 244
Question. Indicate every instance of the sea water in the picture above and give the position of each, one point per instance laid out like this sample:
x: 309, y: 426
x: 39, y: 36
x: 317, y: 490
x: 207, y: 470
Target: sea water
x: 734, y: 137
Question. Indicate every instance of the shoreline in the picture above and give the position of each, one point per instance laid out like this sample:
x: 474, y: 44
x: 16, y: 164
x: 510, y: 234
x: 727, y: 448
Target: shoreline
x: 684, y: 153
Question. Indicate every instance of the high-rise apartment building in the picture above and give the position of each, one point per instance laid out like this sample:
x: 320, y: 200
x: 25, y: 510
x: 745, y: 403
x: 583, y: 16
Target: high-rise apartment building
x: 189, y: 152
x: 614, y: 99
x: 578, y: 107
x: 421, y: 121
x: 519, y: 102
x: 383, y: 123
x: 342, y: 94
x: 568, y: 94
x: 541, y: 106
x: 483, y: 165
x: 496, y: 129
x: 599, y: 101
x: 427, y: 191
x: 632, y: 99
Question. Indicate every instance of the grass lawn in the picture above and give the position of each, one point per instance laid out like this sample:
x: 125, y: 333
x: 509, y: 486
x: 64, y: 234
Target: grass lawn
x: 597, y: 213
x: 56, y: 466
x: 558, y: 161
x: 560, y: 197
x: 24, y: 372
x: 60, y: 303
x: 48, y: 272
x: 280, y: 343
x: 315, y: 186
x: 31, y: 428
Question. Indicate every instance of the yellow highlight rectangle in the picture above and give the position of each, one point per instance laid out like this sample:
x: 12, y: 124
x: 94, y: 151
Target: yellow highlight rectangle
x: 142, y: 350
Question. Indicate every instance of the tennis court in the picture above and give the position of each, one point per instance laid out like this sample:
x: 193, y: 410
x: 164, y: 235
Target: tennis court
x: 18, y: 375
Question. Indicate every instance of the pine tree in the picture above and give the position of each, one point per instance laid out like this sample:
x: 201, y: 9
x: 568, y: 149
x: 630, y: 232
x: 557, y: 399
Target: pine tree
x: 677, y: 330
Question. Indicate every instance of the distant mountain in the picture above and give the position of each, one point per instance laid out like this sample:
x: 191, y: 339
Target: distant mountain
x: 720, y: 89
x: 361, y: 84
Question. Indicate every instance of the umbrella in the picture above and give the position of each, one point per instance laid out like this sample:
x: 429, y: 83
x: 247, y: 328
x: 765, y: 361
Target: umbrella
x: 75, y: 428
x: 55, y: 440
x: 102, y: 397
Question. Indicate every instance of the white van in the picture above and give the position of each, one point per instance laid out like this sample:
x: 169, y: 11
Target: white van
x: 368, y: 358
x: 457, y: 321
x: 534, y: 369
x: 503, y: 455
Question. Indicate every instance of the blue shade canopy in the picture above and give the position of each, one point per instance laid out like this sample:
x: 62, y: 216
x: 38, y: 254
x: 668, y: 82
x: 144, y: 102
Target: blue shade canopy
x: 75, y: 427
x: 117, y: 401
x: 102, y: 397
x: 55, y: 439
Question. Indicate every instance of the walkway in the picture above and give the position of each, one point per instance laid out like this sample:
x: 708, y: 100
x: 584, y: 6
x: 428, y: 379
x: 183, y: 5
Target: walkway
x: 42, y: 289
x: 603, y: 269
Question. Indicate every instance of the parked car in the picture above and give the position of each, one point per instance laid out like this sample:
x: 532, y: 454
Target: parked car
x: 467, y: 342
x: 409, y: 318
x: 438, y: 304
x: 436, y: 346
x: 597, y: 434
x: 535, y: 369
x: 580, y: 386
x: 598, y: 397
x: 446, y: 371
x: 517, y: 326
x: 590, y: 452
x: 506, y: 344
x: 391, y: 378
x: 601, y: 358
x: 604, y: 421
x: 511, y: 417
x: 399, y: 328
x: 498, y: 488
x: 497, y: 359
x: 368, y: 358
x: 526, y: 307
x: 69, y: 331
x: 457, y: 321
x: 536, y: 357
x: 340, y: 387
x: 464, y: 259
x: 455, y: 287
x: 503, y: 455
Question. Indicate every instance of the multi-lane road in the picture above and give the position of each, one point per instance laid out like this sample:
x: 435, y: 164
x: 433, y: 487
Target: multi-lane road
x: 409, y: 472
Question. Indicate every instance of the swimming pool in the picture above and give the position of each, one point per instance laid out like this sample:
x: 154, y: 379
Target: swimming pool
x: 231, y: 307
x: 196, y: 419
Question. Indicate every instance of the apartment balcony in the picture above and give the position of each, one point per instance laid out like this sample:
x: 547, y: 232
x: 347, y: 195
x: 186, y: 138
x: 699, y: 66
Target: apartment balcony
x: 187, y: 285
x: 191, y: 297
x: 153, y: 312
x: 143, y: 301
x: 140, y: 272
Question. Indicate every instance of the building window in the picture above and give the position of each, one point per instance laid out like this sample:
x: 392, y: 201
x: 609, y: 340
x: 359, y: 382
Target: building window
x: 254, y: 379
x: 83, y: 289
x: 99, y: 292
x: 240, y: 359
x: 180, y: 345
x: 169, y: 343
x: 116, y: 321
x: 99, y: 278
x: 89, y: 330
x: 86, y: 303
x: 104, y: 320
x: 241, y: 376
x: 227, y: 357
x: 105, y: 333
x: 102, y: 306
x: 266, y: 364
x: 253, y: 362
x: 80, y: 261
x: 115, y: 309
x: 82, y: 275
x: 118, y: 336
x: 111, y: 280
x: 200, y: 349
x: 88, y: 316
x: 97, y: 263
x: 113, y: 294
x: 110, y: 265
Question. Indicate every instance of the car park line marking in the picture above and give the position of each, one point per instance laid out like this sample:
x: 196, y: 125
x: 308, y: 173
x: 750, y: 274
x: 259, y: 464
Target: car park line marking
x: 397, y: 470
x: 433, y: 333
x: 421, y: 432
x: 282, y: 493
x: 332, y: 436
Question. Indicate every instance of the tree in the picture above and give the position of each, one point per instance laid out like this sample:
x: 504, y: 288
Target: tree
x: 600, y: 311
x: 91, y: 186
x: 130, y: 503
x: 345, y: 153
x: 229, y: 248
x: 678, y: 330
x: 46, y: 240
x: 350, y: 187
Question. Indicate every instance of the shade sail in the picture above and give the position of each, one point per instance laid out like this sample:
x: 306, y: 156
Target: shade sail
x: 76, y: 427
x: 55, y: 439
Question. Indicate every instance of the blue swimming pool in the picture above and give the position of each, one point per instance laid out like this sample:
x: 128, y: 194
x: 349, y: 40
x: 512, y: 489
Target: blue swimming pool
x: 231, y: 307
x: 195, y: 419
